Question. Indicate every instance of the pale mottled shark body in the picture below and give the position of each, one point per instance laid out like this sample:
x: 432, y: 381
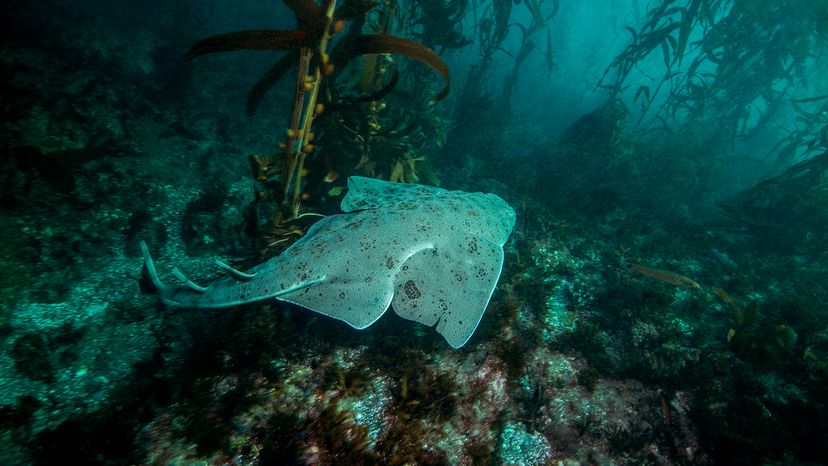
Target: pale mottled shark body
x: 434, y: 255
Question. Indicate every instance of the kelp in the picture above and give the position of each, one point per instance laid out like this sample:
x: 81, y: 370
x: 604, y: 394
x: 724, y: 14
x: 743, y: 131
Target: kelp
x: 748, y: 54
x: 538, y: 22
x: 276, y: 40
x: 810, y: 136
x: 382, y: 43
x: 381, y: 126
x: 316, y: 89
x: 493, y: 24
x: 256, y: 39
x: 787, y: 211
x: 438, y: 24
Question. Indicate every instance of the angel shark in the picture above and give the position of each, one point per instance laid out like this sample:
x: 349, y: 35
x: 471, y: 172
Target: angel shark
x: 433, y: 255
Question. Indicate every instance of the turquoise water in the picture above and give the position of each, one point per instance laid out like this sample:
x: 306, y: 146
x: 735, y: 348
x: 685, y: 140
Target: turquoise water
x: 658, y: 296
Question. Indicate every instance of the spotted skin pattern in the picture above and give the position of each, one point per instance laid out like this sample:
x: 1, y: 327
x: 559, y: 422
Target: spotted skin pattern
x: 433, y: 255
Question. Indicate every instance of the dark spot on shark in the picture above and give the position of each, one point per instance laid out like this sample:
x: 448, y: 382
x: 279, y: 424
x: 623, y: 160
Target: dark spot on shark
x: 411, y: 290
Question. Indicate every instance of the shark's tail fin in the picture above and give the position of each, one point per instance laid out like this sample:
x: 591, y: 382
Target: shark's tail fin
x: 149, y: 282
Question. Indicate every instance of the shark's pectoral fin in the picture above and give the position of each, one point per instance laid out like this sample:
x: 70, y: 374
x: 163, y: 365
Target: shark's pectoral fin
x: 449, y: 287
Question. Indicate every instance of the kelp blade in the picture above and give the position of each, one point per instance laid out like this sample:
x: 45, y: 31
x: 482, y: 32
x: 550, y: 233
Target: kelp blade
x: 381, y: 43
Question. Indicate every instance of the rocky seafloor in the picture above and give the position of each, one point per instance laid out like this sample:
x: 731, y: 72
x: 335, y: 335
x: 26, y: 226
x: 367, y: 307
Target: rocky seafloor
x: 578, y: 360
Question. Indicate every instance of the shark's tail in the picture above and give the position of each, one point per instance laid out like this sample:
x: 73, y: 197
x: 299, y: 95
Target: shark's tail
x: 149, y: 282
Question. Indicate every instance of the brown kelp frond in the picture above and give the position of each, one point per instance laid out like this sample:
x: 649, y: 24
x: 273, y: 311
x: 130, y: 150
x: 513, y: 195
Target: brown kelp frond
x: 269, y: 79
x: 550, y: 60
x: 359, y: 126
x: 382, y: 43
x: 254, y: 39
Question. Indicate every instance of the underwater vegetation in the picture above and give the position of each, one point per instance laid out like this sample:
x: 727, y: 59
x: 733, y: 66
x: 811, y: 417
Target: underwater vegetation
x: 316, y: 90
x: 787, y: 210
x: 657, y: 271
